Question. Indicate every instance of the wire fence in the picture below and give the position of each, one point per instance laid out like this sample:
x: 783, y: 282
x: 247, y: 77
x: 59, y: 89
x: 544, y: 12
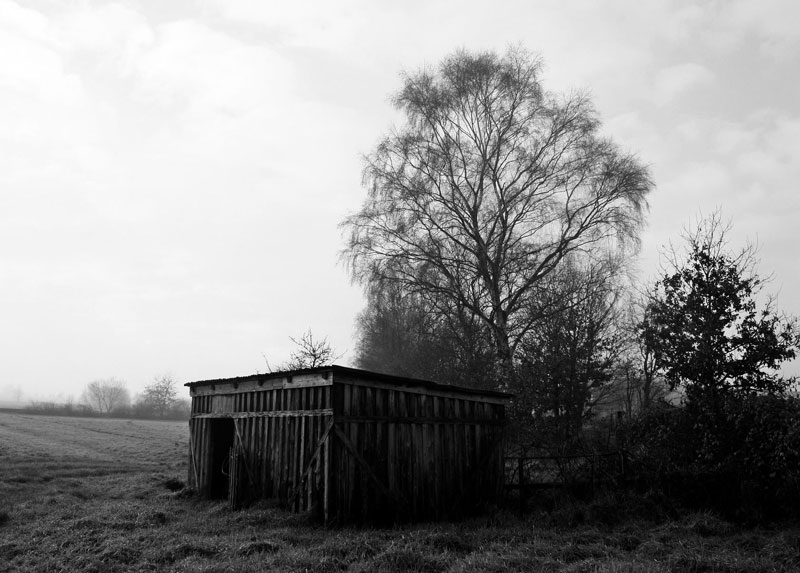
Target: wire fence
x: 525, y: 474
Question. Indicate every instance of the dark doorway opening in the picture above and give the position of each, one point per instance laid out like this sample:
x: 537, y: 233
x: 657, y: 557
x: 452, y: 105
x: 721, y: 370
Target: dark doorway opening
x: 222, y: 436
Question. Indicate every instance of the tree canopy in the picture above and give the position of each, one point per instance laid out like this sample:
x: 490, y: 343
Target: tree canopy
x: 485, y: 190
x: 709, y: 333
x: 160, y: 395
x: 106, y: 395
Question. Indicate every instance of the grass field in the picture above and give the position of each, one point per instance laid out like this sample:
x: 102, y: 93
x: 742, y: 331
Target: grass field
x: 102, y: 495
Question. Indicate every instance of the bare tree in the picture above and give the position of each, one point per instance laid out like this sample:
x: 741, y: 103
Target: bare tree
x: 14, y: 392
x: 490, y: 184
x: 160, y: 395
x: 106, y: 395
x: 310, y: 352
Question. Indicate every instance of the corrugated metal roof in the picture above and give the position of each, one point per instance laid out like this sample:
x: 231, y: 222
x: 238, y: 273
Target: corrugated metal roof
x: 346, y: 371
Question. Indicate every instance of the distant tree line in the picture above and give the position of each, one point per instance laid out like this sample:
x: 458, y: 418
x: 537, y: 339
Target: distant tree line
x: 111, y: 397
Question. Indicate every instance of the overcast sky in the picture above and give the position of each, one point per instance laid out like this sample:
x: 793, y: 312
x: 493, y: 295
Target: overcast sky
x: 172, y: 173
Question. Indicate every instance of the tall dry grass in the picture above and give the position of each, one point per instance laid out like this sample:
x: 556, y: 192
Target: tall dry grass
x: 104, y: 495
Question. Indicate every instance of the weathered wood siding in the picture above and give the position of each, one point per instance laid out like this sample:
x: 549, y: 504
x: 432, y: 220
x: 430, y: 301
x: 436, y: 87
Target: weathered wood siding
x: 412, y: 454
x: 278, y: 428
x: 350, y: 447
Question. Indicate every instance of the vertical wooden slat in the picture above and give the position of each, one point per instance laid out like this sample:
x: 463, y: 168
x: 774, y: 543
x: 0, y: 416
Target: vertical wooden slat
x: 277, y: 474
x: 458, y: 443
x: 205, y: 454
x: 190, y: 478
x: 269, y: 455
x: 200, y: 455
x: 437, y: 458
x: 355, y: 490
x: 297, y: 448
x: 447, y: 453
x: 291, y: 450
x: 279, y: 453
x: 328, y: 398
x: 369, y: 493
x: 301, y: 462
x: 255, y: 436
x: 418, y: 445
x: 326, y: 479
x: 287, y: 448
x: 253, y: 451
x: 391, y: 446
x: 378, y: 451
x: 312, y: 439
x: 422, y: 446
x: 347, y: 391
x: 408, y: 452
x: 200, y: 450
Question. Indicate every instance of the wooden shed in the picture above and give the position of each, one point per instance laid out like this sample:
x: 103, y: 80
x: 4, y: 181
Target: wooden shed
x: 348, y: 444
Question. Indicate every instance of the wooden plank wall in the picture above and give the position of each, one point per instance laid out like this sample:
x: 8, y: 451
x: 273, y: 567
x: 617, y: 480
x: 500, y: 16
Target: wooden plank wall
x: 356, y: 450
x: 429, y: 454
x: 279, y: 430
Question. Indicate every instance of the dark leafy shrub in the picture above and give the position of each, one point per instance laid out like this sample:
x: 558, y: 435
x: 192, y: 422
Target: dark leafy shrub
x: 742, y: 458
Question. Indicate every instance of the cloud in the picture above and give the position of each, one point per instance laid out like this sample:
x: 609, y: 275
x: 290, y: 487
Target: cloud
x: 675, y: 81
x: 772, y: 22
x: 30, y: 67
x: 112, y: 36
x: 193, y: 67
x: 302, y: 23
x: 757, y: 150
x: 766, y: 26
x: 28, y: 22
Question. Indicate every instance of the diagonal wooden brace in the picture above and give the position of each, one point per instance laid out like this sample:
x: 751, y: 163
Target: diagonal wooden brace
x: 401, y: 503
x: 299, y: 485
